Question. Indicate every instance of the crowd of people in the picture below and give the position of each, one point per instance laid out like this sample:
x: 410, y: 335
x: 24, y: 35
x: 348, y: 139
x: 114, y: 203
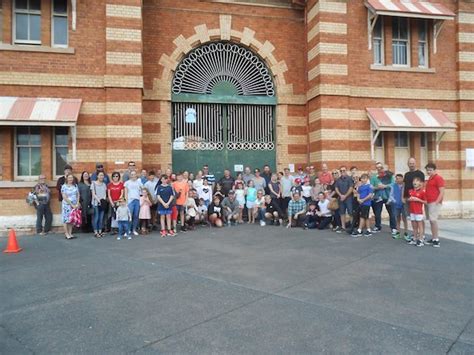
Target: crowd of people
x: 134, y: 203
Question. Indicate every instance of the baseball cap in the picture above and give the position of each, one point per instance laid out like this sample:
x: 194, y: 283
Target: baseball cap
x: 298, y: 180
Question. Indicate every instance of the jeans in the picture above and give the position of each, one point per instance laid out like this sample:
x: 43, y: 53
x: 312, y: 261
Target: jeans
x: 97, y: 219
x: 377, y: 208
x: 261, y: 214
x: 310, y: 222
x: 134, y: 207
x: 43, y: 210
x: 324, y: 222
x: 122, y: 227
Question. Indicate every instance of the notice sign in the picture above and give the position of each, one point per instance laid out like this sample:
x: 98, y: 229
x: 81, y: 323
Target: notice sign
x: 291, y: 167
x: 238, y: 168
x: 190, y: 115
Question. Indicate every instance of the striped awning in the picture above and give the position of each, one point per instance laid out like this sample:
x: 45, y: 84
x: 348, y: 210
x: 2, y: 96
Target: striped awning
x: 410, y: 8
x: 398, y: 119
x: 33, y: 111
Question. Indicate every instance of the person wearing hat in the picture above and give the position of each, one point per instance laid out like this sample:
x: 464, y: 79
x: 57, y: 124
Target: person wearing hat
x: 62, y: 180
x: 296, y: 187
x: 300, y: 173
x: 311, y: 217
x: 231, y: 208
x: 99, y: 168
x: 43, y: 209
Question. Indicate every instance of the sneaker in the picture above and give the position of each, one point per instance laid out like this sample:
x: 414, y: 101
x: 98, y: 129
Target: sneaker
x: 262, y: 223
x: 183, y: 229
x: 129, y: 237
x: 419, y: 243
x: 163, y: 233
x: 367, y: 233
x: 436, y: 243
x: 355, y: 234
x: 408, y: 237
x: 394, y: 231
x: 228, y: 223
x: 277, y: 223
x: 340, y: 230
x: 119, y: 238
x: 396, y: 235
x: 412, y: 242
x: 125, y: 235
x: 429, y: 241
x: 171, y: 233
x: 336, y: 229
x: 135, y: 233
x: 376, y: 230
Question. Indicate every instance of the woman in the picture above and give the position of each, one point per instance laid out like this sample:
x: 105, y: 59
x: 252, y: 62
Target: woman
x: 198, y: 181
x: 86, y: 197
x: 99, y: 202
x: 133, y: 187
x: 70, y: 195
x: 274, y: 190
x: 215, y: 212
x: 115, y: 192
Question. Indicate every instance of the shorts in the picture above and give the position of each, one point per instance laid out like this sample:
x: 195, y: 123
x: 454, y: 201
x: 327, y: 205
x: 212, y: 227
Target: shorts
x: 345, y: 205
x: 416, y: 217
x: 432, y: 211
x: 164, y: 211
x: 179, y: 207
x: 174, y: 213
x: 250, y: 204
x: 364, y: 211
x: 398, y: 211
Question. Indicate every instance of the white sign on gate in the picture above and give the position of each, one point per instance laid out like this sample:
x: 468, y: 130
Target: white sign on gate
x: 238, y: 168
x: 190, y: 115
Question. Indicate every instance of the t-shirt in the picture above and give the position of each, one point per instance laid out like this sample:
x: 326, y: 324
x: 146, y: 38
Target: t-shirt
x: 165, y: 192
x: 122, y: 213
x: 233, y: 205
x: 276, y: 187
x: 306, y: 190
x: 150, y: 186
x: 198, y: 183
x: 344, y: 183
x: 296, y: 188
x: 364, y: 191
x: 115, y: 190
x: 215, y: 209
x: 432, y: 186
x: 260, y: 202
x: 100, y: 191
x: 260, y: 183
x: 205, y: 192
x: 181, y: 188
x: 227, y: 184
x: 325, y: 178
x: 323, y: 208
x: 286, y: 183
x: 415, y: 206
x: 191, y: 208
x: 251, y: 194
x: 133, y: 189
x: 273, y: 207
x: 210, y: 178
x: 248, y: 177
x: 408, y: 180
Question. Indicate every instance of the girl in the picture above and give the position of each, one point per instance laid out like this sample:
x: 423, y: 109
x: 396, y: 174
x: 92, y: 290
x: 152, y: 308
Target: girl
x: 316, y: 189
x: 205, y: 192
x: 191, y: 211
x: 259, y: 208
x: 199, y: 181
x: 145, y: 213
x: 251, y: 198
x: 165, y: 195
x: 70, y: 195
x: 99, y: 202
x: 240, y: 197
x: 306, y: 190
x: 214, y: 212
x: 218, y: 192
x: 202, y: 209
x: 239, y: 179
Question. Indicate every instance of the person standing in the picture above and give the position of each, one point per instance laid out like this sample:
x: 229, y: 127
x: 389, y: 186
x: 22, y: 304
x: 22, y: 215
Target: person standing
x: 62, y: 180
x: 267, y: 175
x: 70, y: 201
x: 115, y: 192
x: 259, y: 182
x: 165, y: 196
x: 434, y: 192
x: 43, y: 209
x: 100, y: 169
x: 133, y: 187
x: 286, y: 182
x: 226, y: 182
x: 210, y: 177
x: 131, y: 167
x: 417, y: 200
x: 325, y: 176
x: 247, y: 175
x: 382, y: 181
x: 412, y: 173
x: 181, y: 188
x: 123, y: 218
x: 99, y: 203
x: 344, y: 189
x: 86, y: 199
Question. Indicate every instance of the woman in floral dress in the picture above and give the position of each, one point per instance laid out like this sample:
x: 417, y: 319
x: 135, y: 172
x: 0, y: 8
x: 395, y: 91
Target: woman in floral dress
x: 70, y: 193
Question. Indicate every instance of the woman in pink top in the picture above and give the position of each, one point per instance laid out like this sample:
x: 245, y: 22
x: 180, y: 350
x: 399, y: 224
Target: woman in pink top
x: 145, y: 212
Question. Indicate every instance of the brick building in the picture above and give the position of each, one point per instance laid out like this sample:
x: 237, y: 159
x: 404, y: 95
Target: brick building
x: 154, y: 81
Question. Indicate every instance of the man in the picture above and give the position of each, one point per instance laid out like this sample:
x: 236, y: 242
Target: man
x: 267, y: 175
x: 62, y: 180
x: 300, y: 173
x: 296, y: 211
x: 247, y: 175
x: 231, y: 208
x: 312, y: 175
x: 99, y: 168
x: 382, y: 182
x: 325, y: 176
x: 286, y: 184
x: 412, y: 173
x: 434, y: 192
x: 226, y: 182
x: 131, y: 167
x: 143, y: 176
x: 211, y: 179
x: 150, y: 185
x: 43, y: 209
x: 344, y: 188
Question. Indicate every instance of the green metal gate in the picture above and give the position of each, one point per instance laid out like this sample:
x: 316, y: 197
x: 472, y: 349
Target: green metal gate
x: 223, y: 110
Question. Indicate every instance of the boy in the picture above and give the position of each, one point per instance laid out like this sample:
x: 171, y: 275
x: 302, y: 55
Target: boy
x: 181, y: 188
x: 311, y: 217
x: 396, y: 201
x: 165, y: 195
x: 366, y: 193
x: 417, y: 199
x: 123, y: 216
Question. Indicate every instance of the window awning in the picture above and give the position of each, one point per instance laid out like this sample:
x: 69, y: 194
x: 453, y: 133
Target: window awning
x: 408, y: 120
x: 408, y: 8
x: 32, y: 111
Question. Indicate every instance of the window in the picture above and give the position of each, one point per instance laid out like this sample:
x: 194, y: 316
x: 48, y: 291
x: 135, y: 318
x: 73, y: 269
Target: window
x: 401, y: 139
x: 400, y: 43
x: 28, y: 151
x: 378, y: 45
x: 423, y: 43
x: 59, y: 24
x: 60, y: 149
x: 423, y: 139
x: 27, y: 21
x: 379, y: 140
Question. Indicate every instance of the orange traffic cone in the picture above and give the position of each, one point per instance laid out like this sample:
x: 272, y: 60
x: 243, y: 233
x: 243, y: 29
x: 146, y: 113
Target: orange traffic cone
x: 12, y: 245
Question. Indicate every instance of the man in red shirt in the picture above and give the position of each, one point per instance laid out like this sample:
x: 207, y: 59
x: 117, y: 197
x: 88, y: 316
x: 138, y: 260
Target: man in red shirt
x: 325, y: 176
x: 434, y: 188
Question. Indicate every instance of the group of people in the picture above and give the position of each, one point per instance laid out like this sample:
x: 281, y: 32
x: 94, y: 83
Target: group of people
x: 135, y: 203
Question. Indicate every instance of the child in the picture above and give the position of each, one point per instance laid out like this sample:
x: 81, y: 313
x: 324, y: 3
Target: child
x: 123, y: 216
x: 181, y: 188
x: 296, y: 187
x: 365, y: 194
x: 259, y: 208
x: 396, y: 201
x: 205, y: 192
x: 273, y: 211
x: 240, y: 197
x: 165, y: 195
x: 251, y: 198
x: 145, y: 213
x: 306, y: 189
x: 218, y: 192
x: 310, y: 221
x: 202, y: 210
x: 214, y: 212
x: 416, y: 200
x: 316, y: 189
x: 239, y: 179
x: 324, y: 213
x: 191, y: 212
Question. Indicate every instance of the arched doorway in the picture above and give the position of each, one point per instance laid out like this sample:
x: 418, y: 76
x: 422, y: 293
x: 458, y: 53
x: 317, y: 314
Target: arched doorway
x: 223, y: 109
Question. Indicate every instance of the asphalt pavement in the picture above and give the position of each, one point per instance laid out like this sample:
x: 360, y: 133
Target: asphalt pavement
x: 237, y: 290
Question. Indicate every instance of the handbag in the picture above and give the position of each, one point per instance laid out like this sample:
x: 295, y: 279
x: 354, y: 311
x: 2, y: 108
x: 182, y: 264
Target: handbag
x: 103, y: 205
x: 333, y: 204
x: 75, y: 217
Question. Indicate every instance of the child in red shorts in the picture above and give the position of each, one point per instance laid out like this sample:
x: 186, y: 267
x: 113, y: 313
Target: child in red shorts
x: 416, y: 201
